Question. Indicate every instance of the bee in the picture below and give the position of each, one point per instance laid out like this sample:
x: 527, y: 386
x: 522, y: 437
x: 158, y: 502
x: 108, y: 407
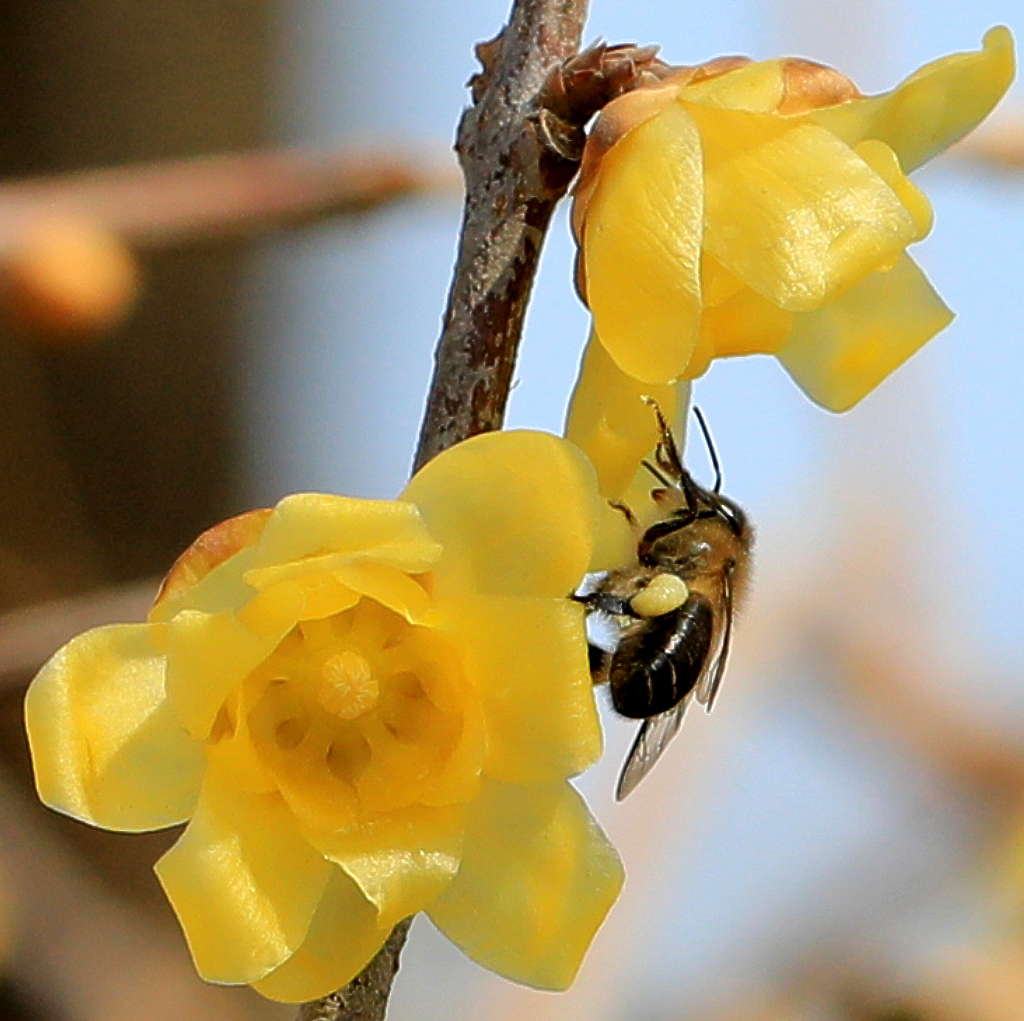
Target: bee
x: 674, y: 607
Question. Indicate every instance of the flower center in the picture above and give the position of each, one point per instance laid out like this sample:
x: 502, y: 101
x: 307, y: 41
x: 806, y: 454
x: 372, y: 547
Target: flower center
x: 359, y: 714
x: 347, y: 686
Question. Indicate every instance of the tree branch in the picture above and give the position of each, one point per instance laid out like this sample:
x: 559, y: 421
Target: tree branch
x: 519, y: 146
x: 365, y: 998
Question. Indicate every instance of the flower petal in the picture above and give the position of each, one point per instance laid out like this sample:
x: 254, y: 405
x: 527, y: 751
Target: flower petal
x: 759, y: 87
x: 609, y: 420
x: 884, y: 162
x: 310, y: 524
x: 514, y: 511
x: 388, y: 586
x: 343, y: 937
x: 208, y: 654
x: 537, y: 879
x: 528, y: 657
x: 842, y: 351
x: 642, y: 241
x: 743, y: 324
x: 400, y: 861
x: 791, y: 210
x: 931, y: 109
x: 219, y: 590
x: 212, y: 549
x: 334, y: 582
x: 243, y: 882
x: 106, y: 747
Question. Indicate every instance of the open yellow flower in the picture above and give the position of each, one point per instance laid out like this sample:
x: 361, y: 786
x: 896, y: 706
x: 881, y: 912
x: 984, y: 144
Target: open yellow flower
x: 740, y: 208
x: 364, y: 709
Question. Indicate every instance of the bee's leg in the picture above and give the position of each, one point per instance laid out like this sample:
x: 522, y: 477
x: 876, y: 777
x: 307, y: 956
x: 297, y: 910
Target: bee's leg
x: 625, y: 512
x: 600, y: 662
x: 666, y: 454
x: 615, y: 606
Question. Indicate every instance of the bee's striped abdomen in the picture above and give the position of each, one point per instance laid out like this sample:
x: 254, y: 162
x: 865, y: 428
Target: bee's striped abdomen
x: 655, y: 668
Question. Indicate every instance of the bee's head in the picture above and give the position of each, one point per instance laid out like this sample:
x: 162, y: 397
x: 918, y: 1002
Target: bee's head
x: 721, y: 508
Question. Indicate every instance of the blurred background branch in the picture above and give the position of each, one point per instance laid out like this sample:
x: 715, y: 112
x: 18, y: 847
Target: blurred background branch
x: 208, y: 198
x: 998, y: 145
x: 29, y: 635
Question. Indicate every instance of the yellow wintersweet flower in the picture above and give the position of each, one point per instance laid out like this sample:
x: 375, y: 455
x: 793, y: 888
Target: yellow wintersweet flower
x: 364, y: 709
x: 741, y: 208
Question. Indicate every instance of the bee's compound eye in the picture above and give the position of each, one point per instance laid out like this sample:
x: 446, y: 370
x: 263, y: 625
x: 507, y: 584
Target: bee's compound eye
x: 663, y: 594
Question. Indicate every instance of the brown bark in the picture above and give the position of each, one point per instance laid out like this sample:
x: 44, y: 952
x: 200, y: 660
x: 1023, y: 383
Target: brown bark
x: 365, y: 998
x: 519, y: 146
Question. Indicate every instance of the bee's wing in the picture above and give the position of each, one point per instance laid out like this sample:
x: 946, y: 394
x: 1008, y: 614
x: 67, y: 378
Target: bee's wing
x: 711, y: 677
x: 653, y: 738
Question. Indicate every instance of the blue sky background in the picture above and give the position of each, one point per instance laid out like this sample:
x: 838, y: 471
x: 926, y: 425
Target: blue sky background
x: 781, y: 824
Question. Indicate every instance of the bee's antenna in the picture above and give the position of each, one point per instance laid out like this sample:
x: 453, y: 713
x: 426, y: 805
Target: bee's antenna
x: 699, y: 415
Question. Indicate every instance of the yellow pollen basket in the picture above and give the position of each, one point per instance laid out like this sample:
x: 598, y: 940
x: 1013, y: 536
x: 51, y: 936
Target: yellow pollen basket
x: 663, y: 594
x: 348, y: 688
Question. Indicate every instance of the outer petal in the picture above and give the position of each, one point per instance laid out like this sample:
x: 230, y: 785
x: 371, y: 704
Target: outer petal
x: 791, y: 210
x: 208, y: 654
x: 759, y: 87
x: 515, y: 512
x: 841, y: 352
x: 308, y: 524
x: 935, y: 106
x: 401, y: 861
x: 243, y: 882
x: 886, y: 164
x: 219, y: 590
x: 213, y: 548
x: 528, y: 657
x: 537, y: 879
x: 642, y: 242
x: 609, y: 420
x: 342, y: 938
x: 106, y: 747
x: 743, y: 324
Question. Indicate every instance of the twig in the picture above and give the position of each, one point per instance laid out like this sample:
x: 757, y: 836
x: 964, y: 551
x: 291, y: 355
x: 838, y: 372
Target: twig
x: 519, y: 146
x: 216, y: 197
x: 512, y: 184
x: 365, y: 998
